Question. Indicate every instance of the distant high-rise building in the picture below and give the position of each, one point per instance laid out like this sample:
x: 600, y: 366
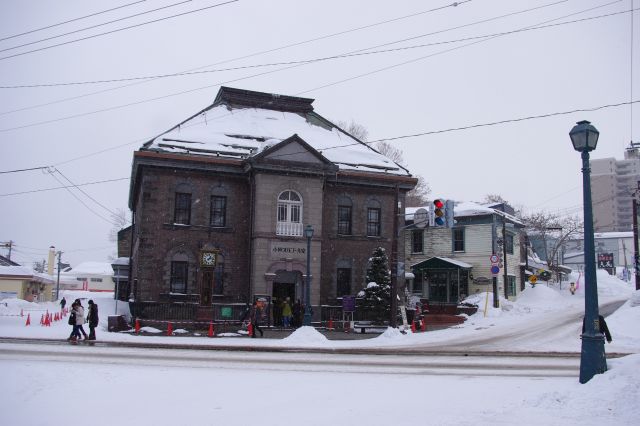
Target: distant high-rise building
x: 612, y: 185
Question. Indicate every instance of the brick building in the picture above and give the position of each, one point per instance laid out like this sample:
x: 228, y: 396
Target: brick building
x: 220, y: 202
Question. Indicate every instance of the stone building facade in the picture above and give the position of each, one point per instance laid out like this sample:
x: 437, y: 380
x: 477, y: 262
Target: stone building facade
x: 220, y: 203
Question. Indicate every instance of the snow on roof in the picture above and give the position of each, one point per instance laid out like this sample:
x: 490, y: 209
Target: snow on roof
x: 241, y: 132
x: 24, y: 271
x: 456, y: 262
x: 94, y: 268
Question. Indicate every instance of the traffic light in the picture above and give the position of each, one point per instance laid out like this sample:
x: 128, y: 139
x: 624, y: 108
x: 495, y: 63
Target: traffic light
x: 441, y: 213
x: 438, y: 212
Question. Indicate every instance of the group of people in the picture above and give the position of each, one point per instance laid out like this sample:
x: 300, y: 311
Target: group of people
x: 286, y: 315
x: 77, y: 319
x: 283, y: 314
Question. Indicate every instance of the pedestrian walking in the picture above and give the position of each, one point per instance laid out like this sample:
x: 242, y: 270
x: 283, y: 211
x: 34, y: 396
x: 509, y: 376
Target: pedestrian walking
x: 72, y: 322
x: 286, y: 313
x: 256, y: 318
x: 80, y: 318
x: 297, y: 314
x: 92, y: 316
x: 63, y: 303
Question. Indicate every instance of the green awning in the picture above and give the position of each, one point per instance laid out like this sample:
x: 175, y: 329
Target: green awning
x: 440, y: 263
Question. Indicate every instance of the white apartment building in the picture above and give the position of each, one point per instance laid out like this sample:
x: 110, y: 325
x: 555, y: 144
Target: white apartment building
x: 612, y: 185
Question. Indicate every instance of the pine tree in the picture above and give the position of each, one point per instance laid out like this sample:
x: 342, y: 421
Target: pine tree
x: 377, y: 293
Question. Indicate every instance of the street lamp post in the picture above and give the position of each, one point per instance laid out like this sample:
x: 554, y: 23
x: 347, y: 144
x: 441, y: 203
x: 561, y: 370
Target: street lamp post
x: 308, y: 232
x: 584, y: 137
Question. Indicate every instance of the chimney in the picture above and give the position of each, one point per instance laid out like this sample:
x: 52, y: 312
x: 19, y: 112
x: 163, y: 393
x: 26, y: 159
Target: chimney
x: 51, y: 261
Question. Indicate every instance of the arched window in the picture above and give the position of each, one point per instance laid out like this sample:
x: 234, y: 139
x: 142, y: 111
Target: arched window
x: 289, y: 214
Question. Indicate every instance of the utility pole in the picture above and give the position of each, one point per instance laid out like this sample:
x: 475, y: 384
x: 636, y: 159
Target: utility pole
x: 58, y: 283
x: 636, y: 253
x: 504, y: 257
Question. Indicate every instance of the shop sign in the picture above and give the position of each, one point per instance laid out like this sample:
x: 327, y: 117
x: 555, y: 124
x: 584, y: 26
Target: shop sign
x: 280, y: 250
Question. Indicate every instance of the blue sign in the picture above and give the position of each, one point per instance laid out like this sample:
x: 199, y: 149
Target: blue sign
x: 348, y: 303
x: 495, y: 269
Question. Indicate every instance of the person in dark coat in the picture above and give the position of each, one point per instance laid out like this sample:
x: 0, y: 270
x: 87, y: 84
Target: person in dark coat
x: 256, y: 317
x: 92, y: 316
x: 297, y: 314
x: 602, y: 328
x: 63, y: 303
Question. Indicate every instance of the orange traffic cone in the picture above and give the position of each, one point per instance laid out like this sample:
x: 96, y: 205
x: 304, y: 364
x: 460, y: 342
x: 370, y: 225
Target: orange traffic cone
x: 28, y: 320
x: 210, y: 334
x: 250, y: 329
x: 330, y: 324
x: 47, y: 320
x: 423, y: 325
x: 169, y: 329
x: 413, y: 326
x: 137, y: 326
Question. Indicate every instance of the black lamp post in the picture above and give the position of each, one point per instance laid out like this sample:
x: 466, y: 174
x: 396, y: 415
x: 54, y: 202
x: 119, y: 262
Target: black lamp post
x: 308, y: 232
x: 592, y: 359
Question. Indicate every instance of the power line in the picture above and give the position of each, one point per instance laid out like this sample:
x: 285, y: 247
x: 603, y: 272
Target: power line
x: 455, y: 4
x: 23, y: 170
x: 311, y: 60
x: 70, y: 20
x: 274, y: 71
x: 117, y: 30
x: 94, y: 26
x: 86, y: 195
x: 453, y: 48
x: 63, y: 187
x: 513, y: 120
x: 81, y: 201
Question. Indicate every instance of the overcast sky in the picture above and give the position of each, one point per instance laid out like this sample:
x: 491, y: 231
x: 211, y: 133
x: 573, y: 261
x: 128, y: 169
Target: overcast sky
x: 445, y: 76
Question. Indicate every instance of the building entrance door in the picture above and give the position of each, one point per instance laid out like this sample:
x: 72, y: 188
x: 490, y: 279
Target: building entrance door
x: 206, y: 287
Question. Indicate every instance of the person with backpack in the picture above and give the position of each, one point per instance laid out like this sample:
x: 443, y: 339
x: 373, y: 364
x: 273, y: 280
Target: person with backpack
x: 92, y: 317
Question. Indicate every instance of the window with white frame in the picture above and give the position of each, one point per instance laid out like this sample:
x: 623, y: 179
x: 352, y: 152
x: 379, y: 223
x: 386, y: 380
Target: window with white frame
x: 289, y: 214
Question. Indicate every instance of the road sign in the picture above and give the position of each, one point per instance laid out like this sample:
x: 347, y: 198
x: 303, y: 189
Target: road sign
x: 533, y: 279
x: 495, y: 270
x: 494, y: 258
x: 421, y: 218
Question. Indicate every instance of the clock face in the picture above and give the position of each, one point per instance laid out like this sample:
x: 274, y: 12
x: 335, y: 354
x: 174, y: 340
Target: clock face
x: 208, y: 259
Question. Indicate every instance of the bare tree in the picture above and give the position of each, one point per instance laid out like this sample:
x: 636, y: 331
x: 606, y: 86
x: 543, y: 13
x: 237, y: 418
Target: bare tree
x: 120, y: 221
x: 354, y: 129
x: 553, y: 231
x: 39, y: 266
x: 417, y: 196
x: 494, y: 198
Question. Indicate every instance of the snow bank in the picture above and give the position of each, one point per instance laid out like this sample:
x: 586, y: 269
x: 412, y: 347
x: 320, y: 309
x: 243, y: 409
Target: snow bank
x: 306, y: 336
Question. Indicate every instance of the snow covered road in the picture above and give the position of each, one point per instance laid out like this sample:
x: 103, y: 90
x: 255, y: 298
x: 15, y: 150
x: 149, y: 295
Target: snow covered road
x: 521, y: 365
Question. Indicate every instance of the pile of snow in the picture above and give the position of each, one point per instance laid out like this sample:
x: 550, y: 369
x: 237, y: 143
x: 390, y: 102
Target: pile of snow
x: 306, y: 336
x: 604, y: 397
x: 623, y: 325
